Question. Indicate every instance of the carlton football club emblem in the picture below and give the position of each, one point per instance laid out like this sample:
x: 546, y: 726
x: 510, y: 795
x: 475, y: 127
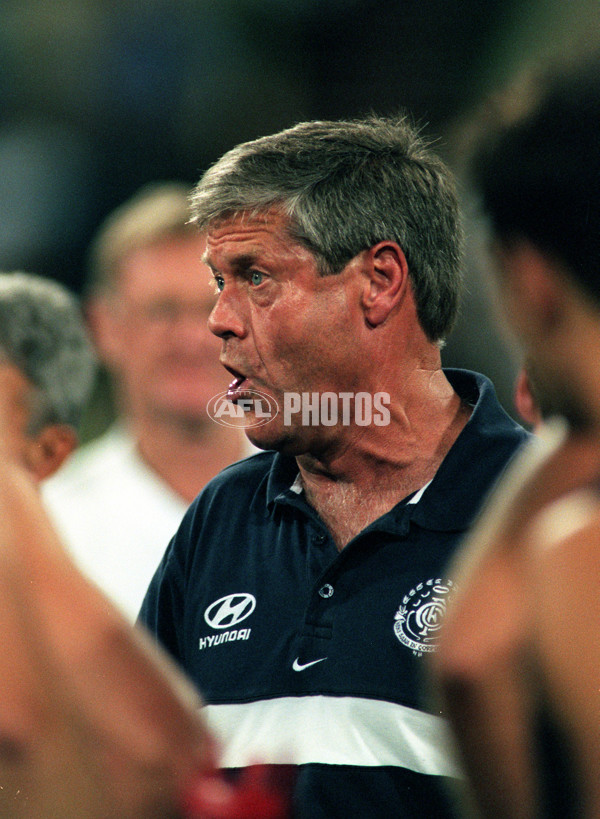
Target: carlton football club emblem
x: 419, y: 618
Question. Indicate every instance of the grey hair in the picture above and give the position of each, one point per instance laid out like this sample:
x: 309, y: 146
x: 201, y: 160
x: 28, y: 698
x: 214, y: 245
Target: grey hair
x: 42, y: 333
x: 345, y: 186
x: 159, y: 210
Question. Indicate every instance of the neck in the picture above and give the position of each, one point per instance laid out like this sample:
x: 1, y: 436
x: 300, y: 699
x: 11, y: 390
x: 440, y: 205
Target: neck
x: 354, y: 483
x: 187, y: 455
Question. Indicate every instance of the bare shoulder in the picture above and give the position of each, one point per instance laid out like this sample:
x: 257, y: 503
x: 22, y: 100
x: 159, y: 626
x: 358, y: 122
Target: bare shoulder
x: 563, y: 544
x: 563, y: 581
x: 563, y: 571
x: 563, y: 565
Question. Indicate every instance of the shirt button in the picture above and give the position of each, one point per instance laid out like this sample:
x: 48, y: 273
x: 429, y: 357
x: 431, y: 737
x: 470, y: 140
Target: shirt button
x: 326, y: 590
x: 320, y: 539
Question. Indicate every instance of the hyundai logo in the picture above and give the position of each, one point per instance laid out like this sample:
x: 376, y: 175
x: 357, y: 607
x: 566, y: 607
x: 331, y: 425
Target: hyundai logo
x: 230, y: 610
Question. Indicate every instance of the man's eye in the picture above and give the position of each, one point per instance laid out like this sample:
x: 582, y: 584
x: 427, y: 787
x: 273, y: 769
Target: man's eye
x: 220, y: 282
x: 256, y: 278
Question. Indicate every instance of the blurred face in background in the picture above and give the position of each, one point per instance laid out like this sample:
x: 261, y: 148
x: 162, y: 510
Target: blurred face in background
x: 152, y: 332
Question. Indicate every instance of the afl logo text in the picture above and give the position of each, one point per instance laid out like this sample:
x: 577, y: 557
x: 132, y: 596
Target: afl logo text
x: 419, y: 618
x: 230, y: 610
x: 253, y: 409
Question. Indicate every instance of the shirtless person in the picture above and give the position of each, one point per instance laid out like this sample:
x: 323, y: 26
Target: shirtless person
x: 519, y: 661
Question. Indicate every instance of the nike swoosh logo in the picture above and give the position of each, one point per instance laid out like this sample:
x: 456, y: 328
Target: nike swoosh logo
x: 298, y: 666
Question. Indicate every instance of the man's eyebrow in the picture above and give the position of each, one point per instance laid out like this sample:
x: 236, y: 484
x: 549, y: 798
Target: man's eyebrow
x: 243, y: 262
x: 240, y: 264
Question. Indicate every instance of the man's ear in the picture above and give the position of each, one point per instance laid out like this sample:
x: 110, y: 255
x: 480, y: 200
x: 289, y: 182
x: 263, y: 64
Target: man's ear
x: 386, y: 271
x: 49, y: 449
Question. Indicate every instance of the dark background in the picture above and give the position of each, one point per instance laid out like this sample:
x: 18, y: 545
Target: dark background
x: 98, y: 97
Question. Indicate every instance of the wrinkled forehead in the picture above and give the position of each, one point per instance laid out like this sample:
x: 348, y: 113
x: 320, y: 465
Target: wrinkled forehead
x: 248, y: 234
x: 272, y: 217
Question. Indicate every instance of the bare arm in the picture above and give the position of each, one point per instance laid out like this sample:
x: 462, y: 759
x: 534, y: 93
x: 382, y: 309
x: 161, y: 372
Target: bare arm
x: 93, y: 720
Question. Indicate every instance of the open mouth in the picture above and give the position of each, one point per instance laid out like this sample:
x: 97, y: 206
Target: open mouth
x: 239, y: 387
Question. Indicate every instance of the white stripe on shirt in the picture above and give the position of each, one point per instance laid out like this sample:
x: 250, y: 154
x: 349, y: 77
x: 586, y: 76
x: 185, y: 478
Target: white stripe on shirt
x: 333, y: 731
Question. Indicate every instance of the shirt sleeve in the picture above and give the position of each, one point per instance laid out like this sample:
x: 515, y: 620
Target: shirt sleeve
x: 163, y: 608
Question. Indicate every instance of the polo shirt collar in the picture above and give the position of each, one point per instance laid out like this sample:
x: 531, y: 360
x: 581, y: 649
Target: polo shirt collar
x: 478, y: 456
x: 467, y: 471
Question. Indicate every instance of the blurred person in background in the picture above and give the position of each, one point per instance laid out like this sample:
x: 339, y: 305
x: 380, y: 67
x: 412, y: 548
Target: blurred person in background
x: 93, y: 721
x: 47, y: 368
x: 519, y: 659
x: 120, y: 498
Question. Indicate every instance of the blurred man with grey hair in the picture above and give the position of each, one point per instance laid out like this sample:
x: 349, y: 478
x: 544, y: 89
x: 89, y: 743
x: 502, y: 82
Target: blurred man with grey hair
x: 47, y: 367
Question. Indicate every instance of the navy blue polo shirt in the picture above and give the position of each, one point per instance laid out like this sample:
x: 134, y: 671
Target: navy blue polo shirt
x: 313, y: 657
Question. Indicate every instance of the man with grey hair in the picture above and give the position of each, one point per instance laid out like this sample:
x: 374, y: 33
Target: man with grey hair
x: 120, y: 497
x: 47, y: 367
x: 306, y: 584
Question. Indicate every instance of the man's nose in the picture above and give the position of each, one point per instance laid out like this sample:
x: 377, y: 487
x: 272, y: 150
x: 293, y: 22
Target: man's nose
x: 226, y: 317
